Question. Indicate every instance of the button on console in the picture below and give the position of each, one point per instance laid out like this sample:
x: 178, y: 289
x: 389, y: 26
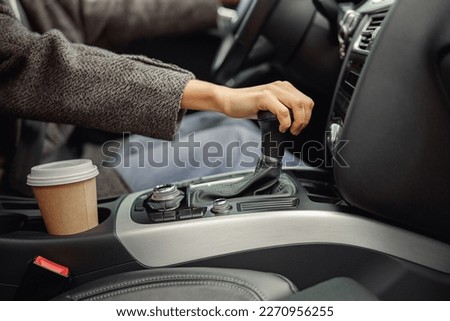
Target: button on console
x: 185, y: 214
x: 198, y: 212
x: 157, y: 217
x: 170, y: 216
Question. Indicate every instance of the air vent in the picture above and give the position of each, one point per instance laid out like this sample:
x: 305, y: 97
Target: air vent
x: 370, y: 32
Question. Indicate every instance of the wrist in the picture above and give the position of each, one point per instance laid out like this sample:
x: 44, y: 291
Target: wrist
x: 201, y: 95
x: 222, y: 99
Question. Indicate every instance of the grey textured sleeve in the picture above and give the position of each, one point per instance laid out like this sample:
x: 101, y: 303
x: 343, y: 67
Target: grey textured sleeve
x: 47, y: 78
x: 114, y: 23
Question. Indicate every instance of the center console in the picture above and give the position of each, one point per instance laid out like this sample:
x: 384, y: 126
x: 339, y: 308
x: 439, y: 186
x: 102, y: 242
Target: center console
x: 266, y: 188
x: 233, y: 220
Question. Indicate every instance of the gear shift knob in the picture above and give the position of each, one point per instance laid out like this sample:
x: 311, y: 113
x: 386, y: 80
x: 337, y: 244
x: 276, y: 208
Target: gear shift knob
x: 271, y: 138
x: 266, y: 178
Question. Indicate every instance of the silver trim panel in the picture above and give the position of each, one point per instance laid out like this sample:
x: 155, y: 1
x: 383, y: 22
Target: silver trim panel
x: 158, y: 245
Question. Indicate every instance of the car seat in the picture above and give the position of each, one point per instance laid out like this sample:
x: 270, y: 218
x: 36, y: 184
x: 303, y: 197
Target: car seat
x: 211, y: 284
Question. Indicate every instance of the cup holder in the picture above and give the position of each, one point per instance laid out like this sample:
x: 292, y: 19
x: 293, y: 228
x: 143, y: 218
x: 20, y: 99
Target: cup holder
x: 12, y: 222
x: 103, y: 214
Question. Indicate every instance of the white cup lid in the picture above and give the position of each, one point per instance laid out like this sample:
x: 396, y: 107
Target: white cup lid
x: 61, y: 173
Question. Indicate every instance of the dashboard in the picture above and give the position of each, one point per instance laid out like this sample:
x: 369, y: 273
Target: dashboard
x: 382, y: 100
x: 389, y: 119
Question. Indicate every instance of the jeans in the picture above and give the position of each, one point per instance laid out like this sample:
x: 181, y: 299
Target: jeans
x: 207, y: 144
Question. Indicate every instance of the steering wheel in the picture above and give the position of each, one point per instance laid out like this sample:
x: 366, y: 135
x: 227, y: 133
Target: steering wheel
x: 244, y: 31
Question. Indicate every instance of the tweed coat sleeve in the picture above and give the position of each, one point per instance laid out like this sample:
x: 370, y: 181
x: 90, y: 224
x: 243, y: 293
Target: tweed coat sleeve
x: 48, y: 78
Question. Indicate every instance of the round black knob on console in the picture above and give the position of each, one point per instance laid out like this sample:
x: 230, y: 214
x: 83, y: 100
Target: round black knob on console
x: 221, y: 206
x: 164, y: 198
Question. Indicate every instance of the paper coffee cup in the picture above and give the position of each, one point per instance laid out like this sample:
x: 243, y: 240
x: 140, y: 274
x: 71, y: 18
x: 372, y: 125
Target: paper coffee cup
x: 66, y: 194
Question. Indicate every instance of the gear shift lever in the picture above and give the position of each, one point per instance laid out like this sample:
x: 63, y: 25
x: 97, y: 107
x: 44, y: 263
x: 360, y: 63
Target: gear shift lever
x: 266, y: 177
x: 272, y: 138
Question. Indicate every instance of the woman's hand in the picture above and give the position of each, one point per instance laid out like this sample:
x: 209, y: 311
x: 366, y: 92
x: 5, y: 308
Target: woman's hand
x: 277, y: 97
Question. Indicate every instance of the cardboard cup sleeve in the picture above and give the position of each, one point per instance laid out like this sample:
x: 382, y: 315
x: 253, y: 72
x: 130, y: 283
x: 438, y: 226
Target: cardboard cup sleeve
x: 66, y: 194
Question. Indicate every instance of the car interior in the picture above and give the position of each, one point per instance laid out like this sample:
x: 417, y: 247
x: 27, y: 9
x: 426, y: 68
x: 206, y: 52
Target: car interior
x: 366, y: 218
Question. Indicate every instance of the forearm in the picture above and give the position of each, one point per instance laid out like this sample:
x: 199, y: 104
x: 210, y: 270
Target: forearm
x: 113, y: 23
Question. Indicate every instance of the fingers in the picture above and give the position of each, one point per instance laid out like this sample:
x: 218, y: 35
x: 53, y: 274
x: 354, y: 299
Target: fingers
x: 300, y: 120
x: 280, y: 98
x: 284, y: 118
x: 302, y: 116
x: 301, y: 106
x: 284, y: 96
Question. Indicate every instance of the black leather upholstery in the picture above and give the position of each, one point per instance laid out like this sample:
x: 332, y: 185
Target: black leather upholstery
x: 185, y: 284
x: 337, y: 289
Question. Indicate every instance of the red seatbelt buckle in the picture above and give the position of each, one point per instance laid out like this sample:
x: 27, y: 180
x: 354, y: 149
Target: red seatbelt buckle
x: 52, y: 266
x: 43, y: 280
